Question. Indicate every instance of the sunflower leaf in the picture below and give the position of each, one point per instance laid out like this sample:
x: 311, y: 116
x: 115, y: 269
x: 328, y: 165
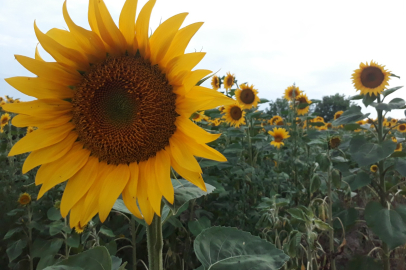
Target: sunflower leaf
x: 368, y: 99
x: 352, y: 115
x: 391, y: 90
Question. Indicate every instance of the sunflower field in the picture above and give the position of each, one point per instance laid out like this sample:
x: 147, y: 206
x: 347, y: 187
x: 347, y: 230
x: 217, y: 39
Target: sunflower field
x: 125, y: 160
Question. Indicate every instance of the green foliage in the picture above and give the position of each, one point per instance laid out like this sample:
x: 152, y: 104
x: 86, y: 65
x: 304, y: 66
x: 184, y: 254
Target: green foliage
x: 278, y: 107
x: 329, y: 105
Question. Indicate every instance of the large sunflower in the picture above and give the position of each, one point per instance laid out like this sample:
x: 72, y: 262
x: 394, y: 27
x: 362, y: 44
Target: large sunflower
x: 247, y: 96
x: 113, y: 112
x: 370, y: 78
x: 234, y: 115
x: 302, y: 99
x: 279, y: 134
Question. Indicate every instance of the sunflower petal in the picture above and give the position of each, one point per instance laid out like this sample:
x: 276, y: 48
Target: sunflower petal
x: 192, y: 130
x: 163, y: 177
x: 182, y: 63
x: 22, y: 120
x: 113, y: 186
x: 41, y: 138
x: 58, y: 171
x: 162, y: 38
x: 37, y: 56
x: 154, y: 194
x: 182, y: 155
x: 180, y: 42
x: 40, y: 88
x: 142, y: 194
x: 127, y: 22
x: 130, y: 191
x: 142, y: 28
x: 78, y: 185
x: 50, y: 153
x: 40, y: 108
x: 194, y: 77
x: 76, y: 212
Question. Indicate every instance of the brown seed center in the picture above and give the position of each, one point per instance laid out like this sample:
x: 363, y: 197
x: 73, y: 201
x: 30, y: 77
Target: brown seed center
x: 236, y: 113
x: 278, y: 138
x: 372, y: 77
x: 124, y: 110
x: 247, y: 96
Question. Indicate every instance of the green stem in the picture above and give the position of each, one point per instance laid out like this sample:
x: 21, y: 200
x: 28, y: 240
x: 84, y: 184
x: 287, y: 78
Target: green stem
x: 155, y: 244
x: 134, y: 242
x: 330, y: 216
x: 30, y: 236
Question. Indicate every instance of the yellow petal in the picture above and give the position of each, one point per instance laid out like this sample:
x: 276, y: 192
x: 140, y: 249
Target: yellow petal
x: 40, y: 88
x: 182, y: 155
x: 113, y: 186
x: 37, y: 56
x: 76, y: 212
x: 130, y: 191
x: 50, y: 153
x: 142, y: 194
x: 154, y: 194
x: 163, y: 175
x: 78, y: 185
x: 40, y: 107
x: 109, y: 31
x: 58, y: 171
x: 89, y: 41
x: 142, y: 28
x: 22, y: 120
x: 182, y: 63
x: 127, y: 23
x: 92, y: 17
x: 60, y: 53
x: 41, y: 138
x: 163, y: 36
x: 50, y: 70
x: 194, y: 77
x: 180, y: 42
x: 192, y: 130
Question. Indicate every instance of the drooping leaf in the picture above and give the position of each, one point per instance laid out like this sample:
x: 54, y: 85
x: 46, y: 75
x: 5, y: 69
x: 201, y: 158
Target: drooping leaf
x: 54, y: 214
x: 97, y: 258
x: 15, y: 249
x: 401, y: 166
x: 352, y: 115
x: 42, y: 247
x: 359, y: 180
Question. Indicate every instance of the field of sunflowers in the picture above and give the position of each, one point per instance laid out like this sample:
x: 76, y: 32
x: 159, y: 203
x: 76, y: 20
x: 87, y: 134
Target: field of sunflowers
x: 125, y: 160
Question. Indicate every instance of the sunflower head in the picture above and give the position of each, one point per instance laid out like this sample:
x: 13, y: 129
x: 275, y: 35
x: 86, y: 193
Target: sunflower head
x: 334, y: 142
x: 24, y: 199
x: 229, y: 81
x: 215, y: 82
x: 292, y: 92
x: 275, y: 119
x: 247, y: 96
x: 338, y: 114
x: 318, y: 119
x: 402, y: 128
x: 393, y: 121
x: 197, y: 116
x: 79, y: 228
x: 4, y: 119
x: 373, y: 168
x: 301, y: 100
x: 279, y: 134
x: 234, y: 115
x: 370, y: 78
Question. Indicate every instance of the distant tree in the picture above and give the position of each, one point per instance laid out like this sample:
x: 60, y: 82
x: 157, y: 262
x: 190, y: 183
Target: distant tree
x: 278, y: 107
x: 330, y: 105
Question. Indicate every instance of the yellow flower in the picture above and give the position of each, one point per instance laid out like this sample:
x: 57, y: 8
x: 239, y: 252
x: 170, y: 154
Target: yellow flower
x: 370, y: 78
x: 398, y: 147
x: 275, y: 119
x: 393, y: 121
x: 302, y: 99
x: 4, y: 119
x: 292, y: 92
x: 215, y: 82
x: 234, y: 115
x: 334, y: 142
x: 79, y: 228
x: 113, y: 112
x: 229, y: 81
x: 338, y: 114
x: 198, y: 116
x: 402, y: 128
x: 374, y: 168
x: 247, y: 96
x: 321, y: 128
x: 216, y: 122
x: 279, y: 134
x: 24, y: 199
x: 318, y: 119
x: 329, y: 125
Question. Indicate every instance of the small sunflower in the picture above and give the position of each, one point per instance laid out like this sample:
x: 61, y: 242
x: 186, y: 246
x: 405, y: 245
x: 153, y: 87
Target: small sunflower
x: 113, y: 112
x: 373, y: 168
x: 322, y: 127
x: 229, y: 81
x: 338, y: 114
x: 334, y: 142
x: 216, y: 122
x: 275, y: 119
x: 329, y: 125
x: 215, y: 82
x: 302, y: 99
x: 393, y: 121
x: 318, y: 119
x: 292, y: 92
x: 402, y: 128
x: 4, y: 119
x: 370, y: 78
x: 79, y: 228
x: 247, y: 96
x: 24, y: 199
x: 234, y: 115
x: 279, y: 134
x: 198, y: 116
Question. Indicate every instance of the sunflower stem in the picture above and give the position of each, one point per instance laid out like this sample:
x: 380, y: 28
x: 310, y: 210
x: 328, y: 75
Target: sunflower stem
x: 134, y: 242
x: 30, y: 236
x: 330, y: 215
x: 155, y: 244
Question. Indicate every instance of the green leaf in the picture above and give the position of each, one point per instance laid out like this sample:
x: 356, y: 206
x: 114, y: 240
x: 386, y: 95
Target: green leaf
x: 107, y: 232
x: 321, y: 225
x: 263, y: 100
x: 47, y: 261
x: 390, y: 91
x: 73, y: 240
x: 401, y: 166
x: 54, y: 214
x: 184, y: 192
x: 57, y: 227
x: 315, y: 183
x: 15, y: 249
x: 297, y: 213
x: 368, y: 99
x: 323, y: 161
x: 336, y: 178
x: 42, y: 247
x: 111, y: 247
x: 357, y: 181
x: 120, y: 206
x: 396, y: 103
x: 347, y: 217
x: 63, y: 267
x: 356, y: 97
x: 352, y: 115
x: 12, y: 232
x: 221, y: 248
x: 97, y: 258
x: 398, y: 154
x: 197, y: 226
x: 365, y: 153
x: 352, y: 127
x: 293, y: 244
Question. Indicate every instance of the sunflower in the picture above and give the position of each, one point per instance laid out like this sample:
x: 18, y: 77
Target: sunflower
x: 279, y: 134
x: 113, y: 112
x: 198, y: 116
x: 338, y: 114
x: 329, y: 125
x: 318, y: 119
x: 393, y: 121
x: 216, y: 122
x: 215, y: 82
x: 229, y: 81
x: 302, y: 99
x: 234, y: 115
x: 334, y: 142
x: 247, y: 96
x: 275, y: 119
x: 402, y: 128
x: 398, y: 147
x: 4, y: 119
x: 373, y: 168
x: 24, y: 199
x: 370, y: 78
x: 292, y: 92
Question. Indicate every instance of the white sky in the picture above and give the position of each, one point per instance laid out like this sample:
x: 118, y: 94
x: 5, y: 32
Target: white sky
x: 316, y: 44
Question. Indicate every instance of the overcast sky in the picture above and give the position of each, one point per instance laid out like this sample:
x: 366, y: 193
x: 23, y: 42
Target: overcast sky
x: 271, y: 44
